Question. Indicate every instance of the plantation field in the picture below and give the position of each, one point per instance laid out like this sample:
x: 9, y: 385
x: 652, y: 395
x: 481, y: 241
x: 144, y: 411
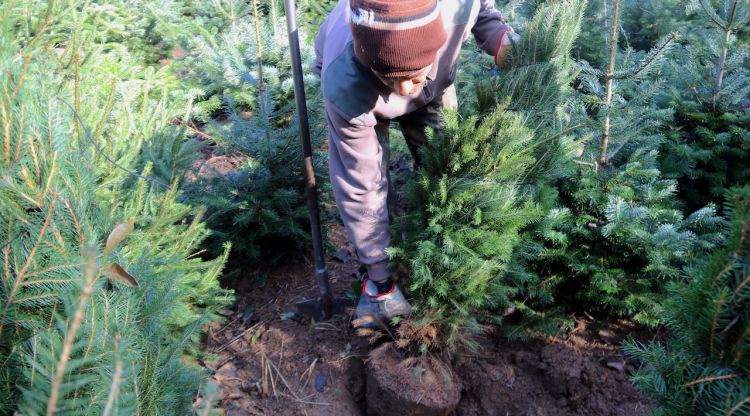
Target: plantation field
x: 573, y: 242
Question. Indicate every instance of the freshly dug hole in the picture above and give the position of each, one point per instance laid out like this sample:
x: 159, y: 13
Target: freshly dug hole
x: 415, y: 386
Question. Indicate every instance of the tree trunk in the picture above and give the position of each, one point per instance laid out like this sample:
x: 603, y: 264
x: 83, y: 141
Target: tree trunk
x: 723, y: 57
x: 274, y: 17
x: 603, y: 160
x: 261, y: 82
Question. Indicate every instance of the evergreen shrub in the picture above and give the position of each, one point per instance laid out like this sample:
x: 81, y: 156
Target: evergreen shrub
x: 463, y: 224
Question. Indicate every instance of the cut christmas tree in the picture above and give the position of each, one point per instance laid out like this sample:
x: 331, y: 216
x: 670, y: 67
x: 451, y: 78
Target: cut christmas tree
x: 479, y: 182
x: 465, y: 213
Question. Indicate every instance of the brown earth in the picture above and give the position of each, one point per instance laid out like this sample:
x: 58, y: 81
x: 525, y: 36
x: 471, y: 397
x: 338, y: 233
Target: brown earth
x: 582, y: 375
x: 269, y: 361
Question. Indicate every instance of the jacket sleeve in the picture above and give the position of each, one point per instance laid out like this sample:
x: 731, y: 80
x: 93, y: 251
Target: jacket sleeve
x: 360, y: 185
x: 320, y: 39
x: 342, y: 127
x: 489, y: 27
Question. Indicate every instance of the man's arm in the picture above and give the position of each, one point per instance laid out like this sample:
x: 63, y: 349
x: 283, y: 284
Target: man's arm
x: 320, y: 40
x: 360, y: 187
x: 490, y: 29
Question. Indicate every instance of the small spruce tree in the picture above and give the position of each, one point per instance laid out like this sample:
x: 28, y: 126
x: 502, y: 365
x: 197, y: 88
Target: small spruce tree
x: 538, y: 75
x: 481, y: 181
x: 708, y: 148
x: 259, y: 204
x: 612, y: 236
x: 704, y: 367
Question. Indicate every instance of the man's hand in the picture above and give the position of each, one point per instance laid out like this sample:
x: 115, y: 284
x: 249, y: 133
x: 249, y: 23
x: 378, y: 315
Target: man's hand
x: 508, y: 38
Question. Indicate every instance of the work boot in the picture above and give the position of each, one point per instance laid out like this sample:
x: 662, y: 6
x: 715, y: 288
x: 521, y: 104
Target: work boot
x: 375, y: 308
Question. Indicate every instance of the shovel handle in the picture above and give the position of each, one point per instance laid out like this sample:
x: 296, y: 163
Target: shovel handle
x: 321, y: 274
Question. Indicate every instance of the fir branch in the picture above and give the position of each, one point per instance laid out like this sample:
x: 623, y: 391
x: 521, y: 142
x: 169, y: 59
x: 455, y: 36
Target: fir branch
x: 709, y: 380
x: 720, y: 65
x: 603, y: 159
x: 72, y: 333
x: 738, y: 406
x: 109, y: 159
x: 708, y: 9
x: 20, y: 276
x: 6, y: 128
x: 114, y: 390
x: 587, y: 69
x: 652, y: 59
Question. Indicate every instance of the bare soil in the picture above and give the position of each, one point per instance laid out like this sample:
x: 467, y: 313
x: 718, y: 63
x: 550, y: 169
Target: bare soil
x: 269, y: 361
x: 581, y: 375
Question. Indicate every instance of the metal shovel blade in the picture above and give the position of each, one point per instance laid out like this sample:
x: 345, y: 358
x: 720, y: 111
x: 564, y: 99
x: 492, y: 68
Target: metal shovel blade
x: 322, y: 309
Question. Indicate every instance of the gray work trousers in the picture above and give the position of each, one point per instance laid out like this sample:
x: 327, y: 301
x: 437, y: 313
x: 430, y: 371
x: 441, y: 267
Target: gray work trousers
x: 362, y: 214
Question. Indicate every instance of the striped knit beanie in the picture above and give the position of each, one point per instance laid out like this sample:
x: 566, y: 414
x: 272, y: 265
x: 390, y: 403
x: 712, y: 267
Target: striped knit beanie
x: 396, y: 38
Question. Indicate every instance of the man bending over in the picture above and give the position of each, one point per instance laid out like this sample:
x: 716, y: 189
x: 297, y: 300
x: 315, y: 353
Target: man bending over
x: 382, y: 61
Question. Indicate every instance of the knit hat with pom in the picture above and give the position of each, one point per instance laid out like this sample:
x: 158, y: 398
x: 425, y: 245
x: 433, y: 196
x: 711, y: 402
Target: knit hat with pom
x: 396, y: 38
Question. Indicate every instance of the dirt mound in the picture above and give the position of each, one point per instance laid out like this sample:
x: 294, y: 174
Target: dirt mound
x: 417, y: 386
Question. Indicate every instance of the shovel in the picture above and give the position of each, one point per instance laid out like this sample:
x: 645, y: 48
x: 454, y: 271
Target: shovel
x: 326, y: 305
